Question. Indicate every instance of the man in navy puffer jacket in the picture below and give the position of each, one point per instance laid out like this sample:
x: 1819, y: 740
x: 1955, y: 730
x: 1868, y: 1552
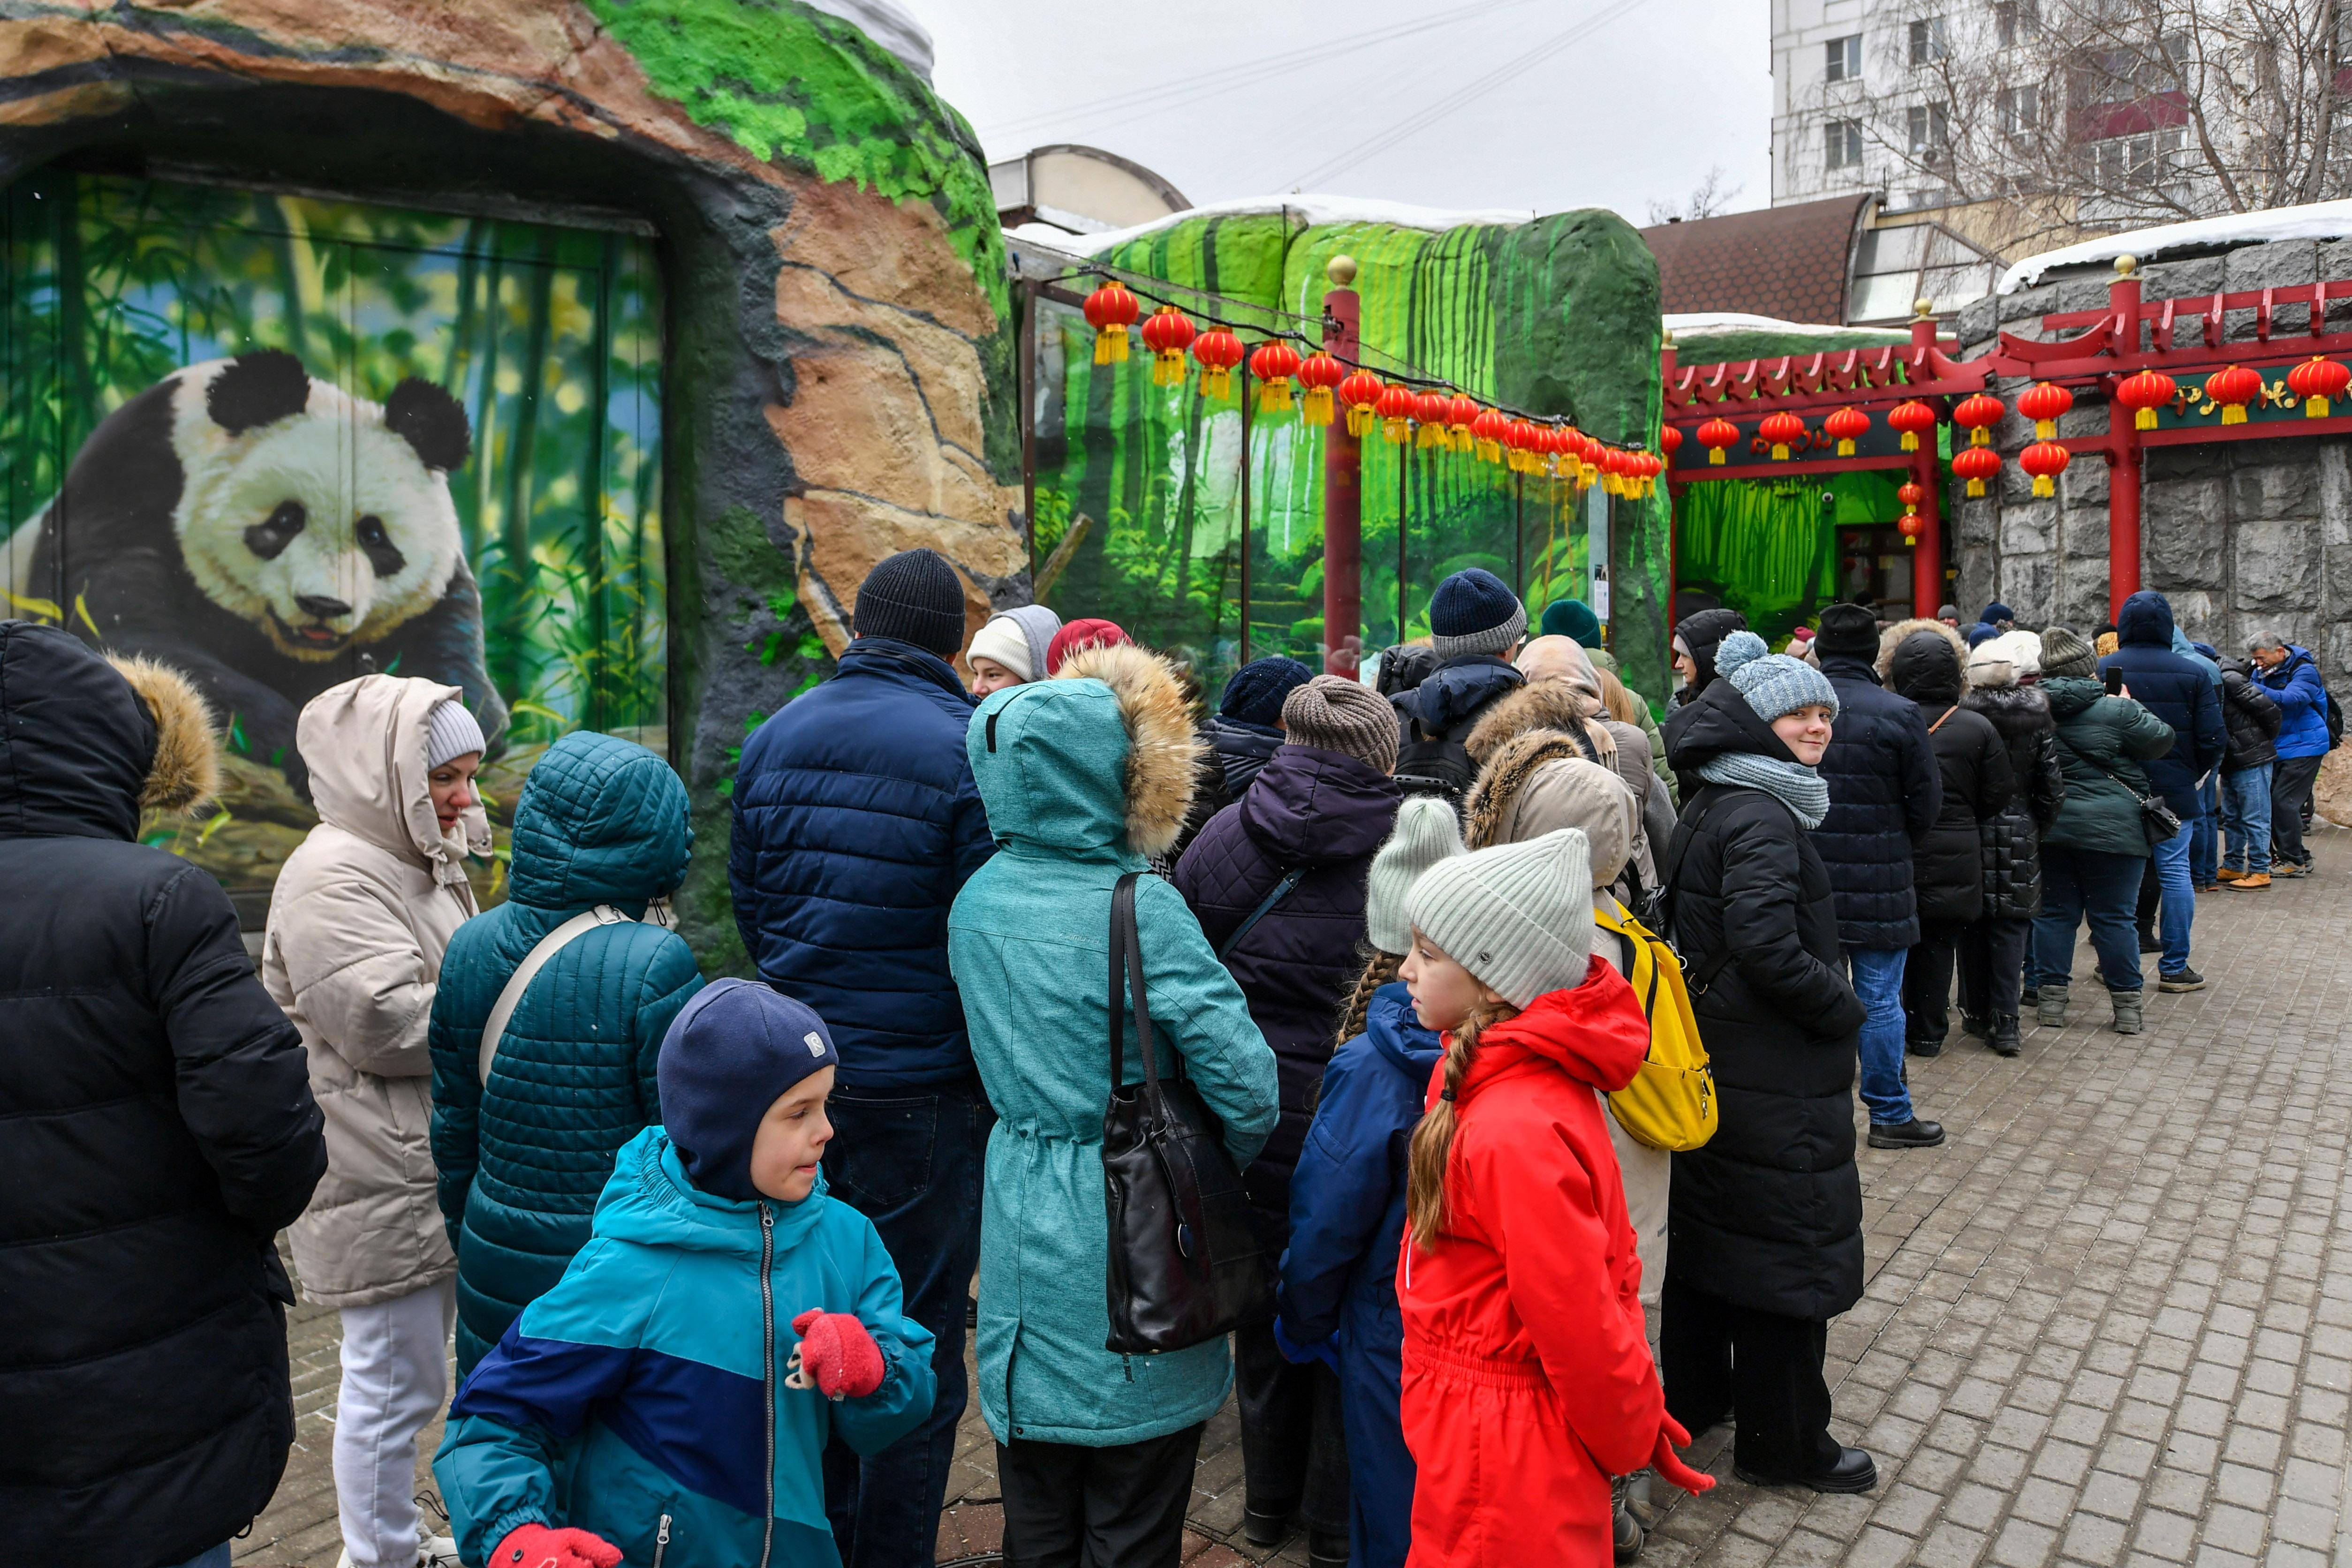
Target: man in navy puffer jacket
x: 856, y: 824
x: 2177, y: 691
x: 1885, y: 794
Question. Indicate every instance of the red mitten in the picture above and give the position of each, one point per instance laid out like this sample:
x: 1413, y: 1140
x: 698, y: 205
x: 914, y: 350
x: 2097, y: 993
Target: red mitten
x: 538, y: 1546
x: 1667, y: 1463
x: 835, y: 1356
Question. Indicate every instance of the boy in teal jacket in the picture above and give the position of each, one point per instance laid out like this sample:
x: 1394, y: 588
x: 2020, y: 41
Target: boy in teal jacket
x: 667, y: 1404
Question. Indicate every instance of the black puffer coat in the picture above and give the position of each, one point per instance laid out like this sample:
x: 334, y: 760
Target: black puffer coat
x: 1948, y: 865
x: 159, y: 1132
x: 1885, y: 796
x: 1768, y: 1213
x: 2252, y: 717
x: 2012, y: 837
x: 1322, y: 813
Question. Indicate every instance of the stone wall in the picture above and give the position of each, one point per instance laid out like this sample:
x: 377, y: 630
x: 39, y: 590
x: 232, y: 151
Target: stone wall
x: 2241, y: 536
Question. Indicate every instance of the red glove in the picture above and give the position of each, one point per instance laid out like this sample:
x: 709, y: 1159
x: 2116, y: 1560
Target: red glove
x: 537, y: 1546
x: 1668, y: 1464
x: 835, y: 1356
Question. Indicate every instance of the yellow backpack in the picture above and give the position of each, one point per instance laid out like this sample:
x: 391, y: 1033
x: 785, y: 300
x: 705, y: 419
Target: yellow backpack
x: 1670, y: 1104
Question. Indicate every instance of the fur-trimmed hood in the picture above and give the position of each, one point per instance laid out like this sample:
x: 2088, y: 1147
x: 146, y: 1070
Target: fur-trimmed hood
x: 86, y: 742
x: 1505, y: 771
x: 1539, y: 781
x: 1099, y: 761
x: 1554, y: 704
x: 1892, y: 638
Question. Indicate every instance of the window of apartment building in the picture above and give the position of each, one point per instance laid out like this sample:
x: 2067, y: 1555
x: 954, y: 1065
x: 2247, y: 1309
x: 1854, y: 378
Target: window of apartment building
x: 2016, y: 21
x: 1845, y: 58
x: 2121, y: 162
x: 2018, y: 109
x: 1931, y: 129
x: 1843, y: 139
x: 1927, y: 41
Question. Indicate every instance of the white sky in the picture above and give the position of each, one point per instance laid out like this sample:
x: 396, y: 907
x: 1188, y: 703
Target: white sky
x: 1628, y: 101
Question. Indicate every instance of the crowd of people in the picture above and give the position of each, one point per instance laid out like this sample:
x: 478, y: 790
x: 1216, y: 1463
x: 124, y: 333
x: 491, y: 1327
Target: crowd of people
x: 709, y: 1251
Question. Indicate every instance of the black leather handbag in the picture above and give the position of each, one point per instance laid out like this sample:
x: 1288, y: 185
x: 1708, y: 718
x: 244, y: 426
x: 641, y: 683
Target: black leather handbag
x: 1185, y: 1265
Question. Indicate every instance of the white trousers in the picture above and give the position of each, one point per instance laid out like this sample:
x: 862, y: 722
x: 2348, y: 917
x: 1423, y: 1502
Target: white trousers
x: 395, y: 1380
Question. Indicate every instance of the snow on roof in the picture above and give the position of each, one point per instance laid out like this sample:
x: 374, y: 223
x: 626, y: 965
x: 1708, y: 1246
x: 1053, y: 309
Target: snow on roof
x: 1316, y: 211
x: 2318, y: 220
x: 1713, y: 323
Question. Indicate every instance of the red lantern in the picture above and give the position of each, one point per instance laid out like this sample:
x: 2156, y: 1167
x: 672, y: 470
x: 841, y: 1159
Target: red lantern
x: 2144, y: 395
x: 1589, y: 456
x: 1912, y: 527
x: 1614, y: 471
x: 1913, y: 419
x: 1486, y: 434
x: 1394, y: 408
x: 1429, y: 412
x: 1910, y: 494
x: 2233, y: 387
x: 1273, y: 363
x: 2315, y: 381
x: 2042, y: 403
x: 1219, y: 352
x: 1520, y: 438
x: 1317, y: 374
x: 1975, y: 465
x: 1846, y: 426
x: 1360, y: 392
x: 1714, y: 436
x: 1109, y: 311
x: 1461, y: 413
x: 1978, y: 415
x: 1652, y: 465
x: 1783, y: 430
x: 2045, y: 460
x: 1670, y: 441
x: 1168, y: 332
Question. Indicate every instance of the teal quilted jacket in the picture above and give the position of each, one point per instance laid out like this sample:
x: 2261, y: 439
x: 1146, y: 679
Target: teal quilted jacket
x: 522, y: 1158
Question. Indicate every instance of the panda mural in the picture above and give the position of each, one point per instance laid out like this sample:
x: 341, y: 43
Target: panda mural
x: 271, y: 535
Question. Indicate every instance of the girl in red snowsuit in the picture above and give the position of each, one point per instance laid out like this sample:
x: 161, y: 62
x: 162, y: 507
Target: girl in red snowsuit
x: 1527, y: 1381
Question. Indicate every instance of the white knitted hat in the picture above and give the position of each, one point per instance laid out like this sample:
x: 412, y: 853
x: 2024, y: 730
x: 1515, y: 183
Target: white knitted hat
x: 1425, y: 834
x: 1003, y: 640
x: 1517, y: 917
x: 450, y: 732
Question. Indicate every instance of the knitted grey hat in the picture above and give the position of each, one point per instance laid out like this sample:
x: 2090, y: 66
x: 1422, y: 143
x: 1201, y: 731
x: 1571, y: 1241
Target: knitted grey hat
x: 1425, y: 833
x: 1517, y: 917
x: 1773, y: 683
x: 2065, y: 653
x: 1332, y: 713
x: 450, y: 732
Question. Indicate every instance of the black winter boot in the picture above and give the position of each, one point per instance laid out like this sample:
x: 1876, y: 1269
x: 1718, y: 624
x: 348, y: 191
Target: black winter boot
x: 1976, y: 1024
x: 2004, y: 1041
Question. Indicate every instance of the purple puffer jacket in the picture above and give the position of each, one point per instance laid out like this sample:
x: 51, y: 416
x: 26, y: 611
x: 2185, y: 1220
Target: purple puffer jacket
x: 1327, y: 813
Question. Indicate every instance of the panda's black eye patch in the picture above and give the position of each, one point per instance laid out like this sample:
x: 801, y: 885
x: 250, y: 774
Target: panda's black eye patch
x: 376, y: 540
x: 266, y: 537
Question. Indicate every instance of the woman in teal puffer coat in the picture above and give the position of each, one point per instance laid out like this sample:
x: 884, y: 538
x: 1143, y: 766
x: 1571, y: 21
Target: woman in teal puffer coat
x: 1085, y: 776
x: 522, y: 1156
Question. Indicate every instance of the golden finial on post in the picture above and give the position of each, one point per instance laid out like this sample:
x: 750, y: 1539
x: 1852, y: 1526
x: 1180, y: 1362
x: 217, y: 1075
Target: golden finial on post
x: 1340, y: 270
x: 2126, y: 264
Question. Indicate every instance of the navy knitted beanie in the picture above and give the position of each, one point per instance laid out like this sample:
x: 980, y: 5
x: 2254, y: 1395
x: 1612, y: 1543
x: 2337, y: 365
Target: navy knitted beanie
x: 728, y: 1056
x: 913, y: 597
x: 1257, y: 692
x: 1473, y: 612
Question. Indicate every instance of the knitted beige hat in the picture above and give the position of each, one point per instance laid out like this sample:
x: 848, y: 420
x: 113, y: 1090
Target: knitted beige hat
x: 1517, y: 917
x: 1426, y: 833
x: 1332, y: 713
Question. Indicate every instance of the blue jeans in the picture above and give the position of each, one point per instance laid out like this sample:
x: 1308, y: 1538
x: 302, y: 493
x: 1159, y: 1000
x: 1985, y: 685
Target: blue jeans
x: 2246, y: 815
x: 911, y: 1161
x: 216, y: 1558
x: 2106, y: 887
x: 2205, y: 832
x: 1877, y: 974
x: 2180, y: 894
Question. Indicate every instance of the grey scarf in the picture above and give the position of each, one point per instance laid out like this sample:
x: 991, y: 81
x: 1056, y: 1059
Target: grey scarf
x: 1794, y: 785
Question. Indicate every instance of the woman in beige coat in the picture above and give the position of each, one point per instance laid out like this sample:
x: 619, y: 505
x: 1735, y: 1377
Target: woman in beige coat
x: 357, y: 926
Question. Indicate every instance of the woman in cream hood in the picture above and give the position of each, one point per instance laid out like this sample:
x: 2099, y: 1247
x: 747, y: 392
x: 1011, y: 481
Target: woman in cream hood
x: 358, y: 923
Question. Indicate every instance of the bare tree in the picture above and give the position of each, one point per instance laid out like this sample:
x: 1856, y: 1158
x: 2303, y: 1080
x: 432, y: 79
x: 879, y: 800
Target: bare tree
x: 1708, y: 198
x: 2042, y: 120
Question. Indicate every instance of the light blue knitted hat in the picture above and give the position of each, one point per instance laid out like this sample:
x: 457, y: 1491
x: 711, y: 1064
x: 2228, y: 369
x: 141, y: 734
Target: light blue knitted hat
x: 1773, y: 683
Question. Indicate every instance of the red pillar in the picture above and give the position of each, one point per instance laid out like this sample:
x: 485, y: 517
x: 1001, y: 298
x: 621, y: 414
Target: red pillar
x: 1927, y: 471
x: 2123, y: 459
x: 1343, y: 528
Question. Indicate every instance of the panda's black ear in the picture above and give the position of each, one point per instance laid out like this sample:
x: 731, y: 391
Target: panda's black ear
x: 432, y: 422
x: 258, y: 388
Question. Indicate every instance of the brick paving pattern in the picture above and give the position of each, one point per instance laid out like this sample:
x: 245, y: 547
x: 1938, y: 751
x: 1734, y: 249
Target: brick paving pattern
x: 2108, y: 1323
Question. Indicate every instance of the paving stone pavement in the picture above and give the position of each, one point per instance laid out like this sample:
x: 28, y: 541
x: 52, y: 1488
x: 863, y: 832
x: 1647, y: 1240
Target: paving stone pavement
x: 2108, y: 1323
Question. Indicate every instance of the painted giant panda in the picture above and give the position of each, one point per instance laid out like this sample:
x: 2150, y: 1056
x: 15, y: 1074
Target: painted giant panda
x: 271, y: 536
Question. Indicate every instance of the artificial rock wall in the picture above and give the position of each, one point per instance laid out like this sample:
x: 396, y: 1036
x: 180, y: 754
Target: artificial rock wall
x: 2241, y: 536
